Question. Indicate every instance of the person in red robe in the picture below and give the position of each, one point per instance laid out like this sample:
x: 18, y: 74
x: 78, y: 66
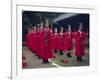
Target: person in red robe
x: 34, y: 39
x: 37, y: 41
x: 51, y: 39
x: 29, y: 39
x: 69, y: 41
x: 41, y: 42
x: 47, y: 43
x: 24, y: 62
x: 80, y: 38
x: 55, y: 35
x: 61, y: 43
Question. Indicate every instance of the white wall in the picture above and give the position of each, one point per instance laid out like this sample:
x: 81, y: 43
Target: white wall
x: 5, y: 36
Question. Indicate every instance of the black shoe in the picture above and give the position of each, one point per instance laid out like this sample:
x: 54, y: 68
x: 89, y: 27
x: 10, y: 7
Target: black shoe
x: 61, y: 53
x: 68, y: 55
x: 79, y: 59
x: 33, y: 51
x: 45, y: 61
x: 39, y: 57
x: 55, y: 51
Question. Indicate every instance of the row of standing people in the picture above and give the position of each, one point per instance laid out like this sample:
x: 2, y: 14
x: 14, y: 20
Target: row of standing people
x: 44, y: 42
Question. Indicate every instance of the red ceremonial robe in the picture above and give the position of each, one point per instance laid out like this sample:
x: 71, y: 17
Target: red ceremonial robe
x: 80, y: 43
x: 41, y: 43
x: 51, y: 40
x: 61, y: 43
x: 55, y: 41
x: 37, y: 51
x: 47, y: 44
x: 24, y: 62
x: 69, y: 40
x: 33, y: 41
x: 29, y: 40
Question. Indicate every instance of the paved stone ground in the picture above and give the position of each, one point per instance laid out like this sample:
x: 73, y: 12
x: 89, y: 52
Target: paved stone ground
x: 34, y: 62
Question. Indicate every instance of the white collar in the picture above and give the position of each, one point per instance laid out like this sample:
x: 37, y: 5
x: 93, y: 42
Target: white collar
x: 80, y: 31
